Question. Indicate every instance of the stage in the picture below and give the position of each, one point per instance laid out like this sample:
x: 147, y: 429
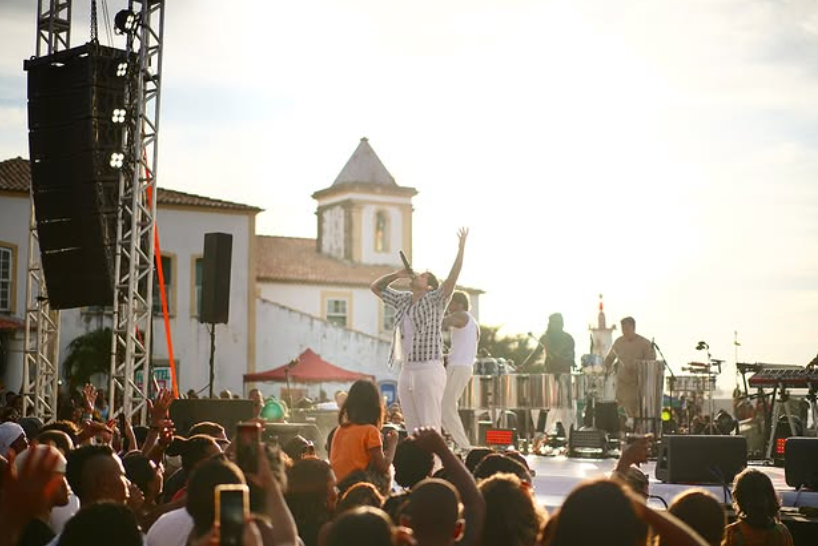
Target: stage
x: 556, y: 477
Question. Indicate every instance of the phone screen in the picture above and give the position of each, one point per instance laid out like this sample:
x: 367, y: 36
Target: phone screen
x: 248, y: 437
x: 232, y: 508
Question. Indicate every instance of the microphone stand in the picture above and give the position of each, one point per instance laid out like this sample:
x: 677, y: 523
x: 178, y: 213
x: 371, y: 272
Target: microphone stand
x: 672, y: 376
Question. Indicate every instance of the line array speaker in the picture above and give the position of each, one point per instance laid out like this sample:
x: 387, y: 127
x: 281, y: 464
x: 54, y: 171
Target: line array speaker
x: 218, y: 248
x: 76, y: 119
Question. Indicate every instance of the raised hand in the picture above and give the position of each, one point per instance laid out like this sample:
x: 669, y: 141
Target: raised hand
x: 462, y: 234
x: 89, y: 397
x: 430, y: 439
x: 159, y: 408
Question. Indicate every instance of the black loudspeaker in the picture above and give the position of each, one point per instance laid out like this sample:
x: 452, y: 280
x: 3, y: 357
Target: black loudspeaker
x: 801, y: 462
x: 76, y: 120
x: 701, y: 459
x: 218, y: 248
x: 186, y: 412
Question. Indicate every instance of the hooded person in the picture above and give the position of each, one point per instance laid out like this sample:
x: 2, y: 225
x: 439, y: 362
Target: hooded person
x: 12, y: 436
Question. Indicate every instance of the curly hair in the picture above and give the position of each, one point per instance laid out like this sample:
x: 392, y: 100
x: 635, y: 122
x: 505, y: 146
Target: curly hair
x: 360, y: 494
x: 755, y: 499
x: 363, y: 405
x: 513, y: 517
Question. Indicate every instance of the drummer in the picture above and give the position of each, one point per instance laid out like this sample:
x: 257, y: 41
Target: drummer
x: 627, y: 349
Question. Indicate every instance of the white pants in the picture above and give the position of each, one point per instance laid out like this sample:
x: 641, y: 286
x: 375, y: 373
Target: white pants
x: 457, y: 377
x: 565, y: 415
x: 420, y: 391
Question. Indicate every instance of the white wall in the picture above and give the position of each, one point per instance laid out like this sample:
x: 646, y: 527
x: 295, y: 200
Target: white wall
x: 307, y: 299
x: 284, y: 333
x: 368, y: 254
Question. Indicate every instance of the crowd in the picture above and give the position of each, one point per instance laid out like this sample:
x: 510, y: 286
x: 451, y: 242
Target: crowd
x: 91, y: 481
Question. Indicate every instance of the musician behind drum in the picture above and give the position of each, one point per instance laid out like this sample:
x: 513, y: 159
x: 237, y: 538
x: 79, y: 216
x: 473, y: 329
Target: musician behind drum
x: 626, y: 350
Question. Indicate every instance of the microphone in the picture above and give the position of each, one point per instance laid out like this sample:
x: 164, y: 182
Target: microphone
x: 405, y: 262
x: 532, y: 336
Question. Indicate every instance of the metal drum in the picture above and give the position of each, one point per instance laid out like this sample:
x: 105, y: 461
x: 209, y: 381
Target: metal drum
x: 592, y: 364
x: 650, y: 377
x: 478, y: 393
x: 542, y: 389
x: 486, y: 366
x: 580, y: 383
x: 513, y: 391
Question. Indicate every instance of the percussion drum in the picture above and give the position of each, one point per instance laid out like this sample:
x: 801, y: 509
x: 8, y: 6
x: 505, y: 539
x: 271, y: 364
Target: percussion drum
x: 543, y: 390
x: 478, y: 393
x: 485, y: 366
x: 592, y: 364
x: 691, y: 383
x: 650, y: 377
x: 513, y: 391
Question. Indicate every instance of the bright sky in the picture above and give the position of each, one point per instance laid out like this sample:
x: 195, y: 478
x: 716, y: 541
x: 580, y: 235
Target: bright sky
x: 662, y: 153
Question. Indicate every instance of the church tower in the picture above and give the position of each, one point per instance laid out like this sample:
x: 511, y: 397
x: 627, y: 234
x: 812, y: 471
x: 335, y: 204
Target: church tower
x: 365, y: 217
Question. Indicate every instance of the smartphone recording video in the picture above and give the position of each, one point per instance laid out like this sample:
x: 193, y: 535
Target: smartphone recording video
x: 248, y: 437
x: 232, y: 509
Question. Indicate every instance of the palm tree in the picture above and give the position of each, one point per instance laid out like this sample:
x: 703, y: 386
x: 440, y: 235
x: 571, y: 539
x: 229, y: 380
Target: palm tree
x: 88, y: 354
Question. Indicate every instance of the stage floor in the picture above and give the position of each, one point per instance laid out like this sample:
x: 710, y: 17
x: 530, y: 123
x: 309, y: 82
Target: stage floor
x: 556, y: 477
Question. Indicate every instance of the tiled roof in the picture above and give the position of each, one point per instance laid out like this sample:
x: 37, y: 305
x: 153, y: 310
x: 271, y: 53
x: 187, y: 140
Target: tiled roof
x: 15, y: 176
x: 296, y: 260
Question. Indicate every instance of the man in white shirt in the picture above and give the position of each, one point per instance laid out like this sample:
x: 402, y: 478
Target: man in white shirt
x: 465, y: 334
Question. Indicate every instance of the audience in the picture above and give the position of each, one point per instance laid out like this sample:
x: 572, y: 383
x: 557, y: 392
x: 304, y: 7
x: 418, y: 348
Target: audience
x: 513, y: 517
x: 702, y: 512
x: 311, y: 497
x: 757, y: 507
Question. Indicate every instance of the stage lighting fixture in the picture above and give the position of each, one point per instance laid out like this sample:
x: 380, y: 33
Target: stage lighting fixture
x: 121, y: 69
x: 125, y: 21
x: 118, y: 116
x: 702, y: 345
x: 117, y: 160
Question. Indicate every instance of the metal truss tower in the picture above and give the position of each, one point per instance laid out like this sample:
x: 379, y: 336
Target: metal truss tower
x: 42, y: 328
x: 134, y: 264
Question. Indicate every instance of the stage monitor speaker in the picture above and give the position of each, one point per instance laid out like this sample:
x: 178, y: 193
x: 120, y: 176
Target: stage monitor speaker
x: 187, y: 412
x: 76, y: 119
x: 701, y: 459
x: 801, y: 462
x: 218, y: 249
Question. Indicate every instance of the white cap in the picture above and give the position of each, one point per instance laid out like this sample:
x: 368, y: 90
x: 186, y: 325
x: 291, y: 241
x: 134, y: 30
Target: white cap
x: 9, y: 432
x: 41, y: 451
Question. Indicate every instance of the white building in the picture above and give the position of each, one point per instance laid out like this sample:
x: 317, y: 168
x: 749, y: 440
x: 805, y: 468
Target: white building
x: 183, y: 219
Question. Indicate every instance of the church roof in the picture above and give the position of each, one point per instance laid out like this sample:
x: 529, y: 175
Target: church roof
x: 15, y: 176
x: 296, y: 260
x: 365, y: 167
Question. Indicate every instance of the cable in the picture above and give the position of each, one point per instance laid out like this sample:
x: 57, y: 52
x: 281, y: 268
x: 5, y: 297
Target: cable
x: 660, y: 499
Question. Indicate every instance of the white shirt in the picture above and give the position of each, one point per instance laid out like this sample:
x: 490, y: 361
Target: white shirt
x: 61, y: 514
x: 171, y: 529
x: 464, y: 344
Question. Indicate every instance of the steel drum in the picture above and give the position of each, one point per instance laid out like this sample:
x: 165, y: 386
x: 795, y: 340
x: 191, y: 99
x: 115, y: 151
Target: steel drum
x: 650, y: 379
x: 542, y: 389
x: 592, y: 364
x: 691, y: 383
x: 513, y: 391
x: 580, y: 384
x: 479, y: 393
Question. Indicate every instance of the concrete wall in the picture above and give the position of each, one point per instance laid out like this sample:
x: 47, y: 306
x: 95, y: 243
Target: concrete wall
x: 284, y: 333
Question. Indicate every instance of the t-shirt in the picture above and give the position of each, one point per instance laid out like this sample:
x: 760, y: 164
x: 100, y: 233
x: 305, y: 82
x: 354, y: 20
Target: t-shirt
x: 742, y: 533
x: 171, y: 529
x: 350, y: 448
x: 36, y: 533
x: 61, y: 514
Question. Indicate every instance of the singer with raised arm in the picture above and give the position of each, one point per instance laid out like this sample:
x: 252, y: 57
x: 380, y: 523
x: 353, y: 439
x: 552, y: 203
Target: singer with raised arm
x: 626, y: 350
x: 417, y: 343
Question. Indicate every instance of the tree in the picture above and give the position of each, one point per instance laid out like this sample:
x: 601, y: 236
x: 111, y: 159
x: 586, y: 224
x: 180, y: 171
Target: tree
x: 88, y: 354
x: 515, y: 348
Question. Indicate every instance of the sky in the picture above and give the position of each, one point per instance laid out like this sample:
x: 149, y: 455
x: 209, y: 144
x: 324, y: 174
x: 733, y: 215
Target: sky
x: 662, y: 153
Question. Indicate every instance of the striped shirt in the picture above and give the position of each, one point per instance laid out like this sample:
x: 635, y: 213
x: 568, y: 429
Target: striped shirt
x: 426, y: 315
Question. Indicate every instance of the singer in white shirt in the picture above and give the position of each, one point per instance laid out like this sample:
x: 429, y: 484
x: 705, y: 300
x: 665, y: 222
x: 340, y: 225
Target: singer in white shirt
x: 465, y: 335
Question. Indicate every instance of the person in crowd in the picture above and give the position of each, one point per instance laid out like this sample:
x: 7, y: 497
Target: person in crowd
x: 102, y: 524
x: 311, y: 497
x: 418, y: 340
x: 497, y: 463
x: 38, y: 531
x: 67, y: 427
x: 357, y: 443
x: 96, y: 474
x: 366, y: 526
x: 702, y: 512
x: 60, y: 514
x: 513, y: 517
x: 433, y: 513
x: 298, y: 448
x: 412, y: 463
x: 360, y: 494
x: 257, y: 398
x: 31, y: 426
x: 394, y: 505
x: 193, y: 451
x: 465, y: 335
x: 627, y: 470
x: 12, y: 436
x: 148, y: 477
x: 757, y: 506
x: 475, y: 456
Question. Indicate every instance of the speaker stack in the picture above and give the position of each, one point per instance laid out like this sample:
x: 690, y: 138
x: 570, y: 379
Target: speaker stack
x: 701, y: 459
x: 218, y: 249
x: 76, y: 118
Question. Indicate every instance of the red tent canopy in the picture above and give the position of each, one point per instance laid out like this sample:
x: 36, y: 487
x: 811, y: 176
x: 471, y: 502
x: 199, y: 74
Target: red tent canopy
x: 310, y: 368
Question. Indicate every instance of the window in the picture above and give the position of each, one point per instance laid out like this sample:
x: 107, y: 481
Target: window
x: 337, y: 312
x: 388, y: 323
x: 198, y: 273
x: 6, y: 278
x: 167, y: 271
x: 381, y: 231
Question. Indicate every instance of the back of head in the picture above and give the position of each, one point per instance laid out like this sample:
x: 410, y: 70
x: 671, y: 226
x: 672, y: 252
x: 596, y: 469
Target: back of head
x: 64, y: 425
x: 58, y: 439
x: 201, y: 487
x: 140, y: 470
x: 412, y: 463
x: 82, y: 470
x: 193, y: 450
x: 362, y: 526
x: 555, y: 322
x: 433, y: 511
x: 360, y: 494
x: 461, y: 298
x: 207, y: 428
x: 512, y: 515
x: 755, y: 499
x: 363, y: 405
x: 102, y: 524
x: 475, y: 456
x: 310, y: 497
x: 614, y: 522
x: 702, y: 512
x: 31, y: 426
x: 497, y: 463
